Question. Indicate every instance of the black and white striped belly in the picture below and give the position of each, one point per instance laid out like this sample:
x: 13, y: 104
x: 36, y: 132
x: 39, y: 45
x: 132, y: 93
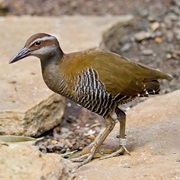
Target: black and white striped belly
x: 92, y: 94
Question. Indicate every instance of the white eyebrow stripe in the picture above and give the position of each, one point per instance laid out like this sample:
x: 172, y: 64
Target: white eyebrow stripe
x: 43, y: 39
x: 44, y: 50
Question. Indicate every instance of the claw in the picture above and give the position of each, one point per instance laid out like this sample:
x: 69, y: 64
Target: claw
x: 79, y: 159
x: 126, y: 150
x: 121, y: 150
x: 89, y: 158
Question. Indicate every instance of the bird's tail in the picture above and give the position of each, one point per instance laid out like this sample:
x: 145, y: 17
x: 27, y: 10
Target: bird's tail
x: 150, y: 88
x: 151, y: 83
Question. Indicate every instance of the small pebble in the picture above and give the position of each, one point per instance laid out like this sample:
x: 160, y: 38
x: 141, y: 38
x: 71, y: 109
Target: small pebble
x: 50, y: 148
x: 168, y: 56
x: 92, y: 137
x: 168, y: 23
x: 54, y: 142
x: 176, y: 10
x: 142, y: 35
x: 64, y: 130
x: 13, y: 82
x: 126, y: 47
x: 172, y: 17
x: 158, y: 40
x: 151, y: 18
x: 42, y: 148
x: 155, y: 26
x: 69, y: 104
x: 169, y: 36
x: 147, y: 52
x: 177, y: 33
x: 61, y: 145
x: 71, y: 119
x: 157, y: 33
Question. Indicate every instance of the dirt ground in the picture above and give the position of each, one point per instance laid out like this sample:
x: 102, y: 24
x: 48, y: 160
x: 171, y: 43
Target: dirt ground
x: 159, y: 49
x: 88, y: 7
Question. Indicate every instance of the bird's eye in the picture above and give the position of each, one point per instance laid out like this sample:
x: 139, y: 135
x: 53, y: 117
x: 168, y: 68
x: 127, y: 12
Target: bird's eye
x: 37, y: 43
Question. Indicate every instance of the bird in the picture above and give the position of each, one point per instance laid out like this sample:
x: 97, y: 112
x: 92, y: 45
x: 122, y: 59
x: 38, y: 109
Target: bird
x: 99, y: 80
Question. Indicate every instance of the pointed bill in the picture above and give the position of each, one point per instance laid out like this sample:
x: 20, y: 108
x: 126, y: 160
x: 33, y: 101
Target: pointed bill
x: 20, y: 55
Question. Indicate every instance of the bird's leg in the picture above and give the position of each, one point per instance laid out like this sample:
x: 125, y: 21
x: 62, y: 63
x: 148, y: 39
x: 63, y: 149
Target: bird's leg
x: 110, y: 123
x: 121, y: 117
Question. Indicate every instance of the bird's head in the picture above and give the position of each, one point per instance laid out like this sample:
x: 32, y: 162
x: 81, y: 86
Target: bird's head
x: 40, y: 45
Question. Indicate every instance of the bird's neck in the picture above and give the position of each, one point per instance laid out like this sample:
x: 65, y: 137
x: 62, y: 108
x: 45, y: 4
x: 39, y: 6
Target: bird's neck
x: 51, y: 69
x: 52, y: 58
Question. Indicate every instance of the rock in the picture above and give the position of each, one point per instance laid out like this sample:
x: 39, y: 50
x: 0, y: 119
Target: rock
x: 39, y: 118
x: 152, y: 131
x: 169, y: 36
x: 156, y: 34
x: 27, y: 106
x: 151, y: 18
x: 144, y: 12
x: 168, y: 56
x: 142, y: 35
x: 177, y: 2
x: 172, y: 17
x: 155, y: 26
x: 3, y: 7
x: 24, y: 161
x: 126, y: 47
x: 158, y: 40
x: 168, y: 23
x: 147, y: 52
x: 177, y: 33
x: 176, y: 10
x: 115, y: 37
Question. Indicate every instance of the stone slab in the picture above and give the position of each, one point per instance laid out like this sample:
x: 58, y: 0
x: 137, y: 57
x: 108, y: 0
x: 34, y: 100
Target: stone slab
x: 153, y: 137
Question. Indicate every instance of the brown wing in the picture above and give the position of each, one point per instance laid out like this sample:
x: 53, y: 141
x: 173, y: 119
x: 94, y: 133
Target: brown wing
x: 118, y: 74
x: 124, y: 76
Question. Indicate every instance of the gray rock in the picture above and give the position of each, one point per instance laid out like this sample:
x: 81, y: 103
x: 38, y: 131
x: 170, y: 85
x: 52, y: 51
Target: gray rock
x: 142, y: 35
x: 147, y: 52
x: 116, y: 35
x: 176, y: 10
x: 171, y: 17
x: 151, y: 18
x: 169, y: 36
x: 168, y: 22
x: 178, y: 23
x: 177, y: 33
x: 168, y: 56
x: 157, y: 34
x: 126, y: 47
x: 177, y: 2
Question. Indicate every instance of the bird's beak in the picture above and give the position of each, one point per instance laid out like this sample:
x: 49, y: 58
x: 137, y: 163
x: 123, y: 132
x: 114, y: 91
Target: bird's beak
x: 20, y: 55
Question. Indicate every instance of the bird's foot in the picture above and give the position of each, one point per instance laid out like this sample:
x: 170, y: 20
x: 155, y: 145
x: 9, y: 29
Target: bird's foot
x: 121, y: 150
x: 80, y: 159
x: 87, y: 160
x: 85, y: 156
x: 84, y: 159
